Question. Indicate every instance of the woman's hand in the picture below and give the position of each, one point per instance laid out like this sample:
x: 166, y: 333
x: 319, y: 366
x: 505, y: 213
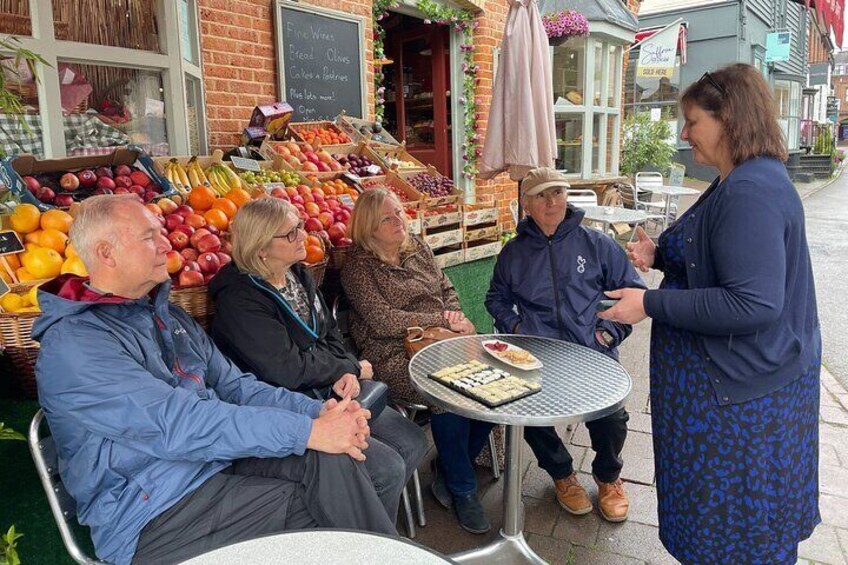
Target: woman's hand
x: 459, y: 323
x: 643, y: 251
x: 347, y: 386
x: 366, y: 370
x: 630, y: 308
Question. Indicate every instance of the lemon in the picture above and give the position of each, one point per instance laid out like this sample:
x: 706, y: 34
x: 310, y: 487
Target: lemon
x: 11, y: 302
x: 32, y: 296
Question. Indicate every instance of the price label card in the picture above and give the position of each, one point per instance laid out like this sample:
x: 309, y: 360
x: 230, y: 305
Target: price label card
x: 374, y: 169
x: 4, y: 288
x: 10, y: 242
x: 346, y: 200
x: 246, y: 164
x: 269, y: 186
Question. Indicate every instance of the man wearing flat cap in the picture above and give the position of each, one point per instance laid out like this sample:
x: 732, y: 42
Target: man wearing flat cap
x: 547, y: 282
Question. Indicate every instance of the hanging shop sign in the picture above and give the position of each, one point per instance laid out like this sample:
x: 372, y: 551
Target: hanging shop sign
x: 657, y: 53
x: 818, y: 74
x: 320, y: 61
x: 778, y: 45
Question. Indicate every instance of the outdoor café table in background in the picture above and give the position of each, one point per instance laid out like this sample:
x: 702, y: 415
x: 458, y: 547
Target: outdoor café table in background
x: 668, y: 191
x: 321, y: 547
x: 578, y: 385
x: 607, y: 215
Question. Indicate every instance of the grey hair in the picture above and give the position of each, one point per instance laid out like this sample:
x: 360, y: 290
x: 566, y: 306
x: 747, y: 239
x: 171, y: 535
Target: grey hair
x: 94, y: 221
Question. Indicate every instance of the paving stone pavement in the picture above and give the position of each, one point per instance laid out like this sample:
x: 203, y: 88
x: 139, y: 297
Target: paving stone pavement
x: 561, y: 538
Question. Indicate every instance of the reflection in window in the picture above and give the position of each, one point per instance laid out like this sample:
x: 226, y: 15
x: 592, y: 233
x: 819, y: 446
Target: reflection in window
x: 596, y: 132
x: 568, y: 72
x: 15, y: 18
x: 132, y: 25
x: 788, y: 97
x: 569, y: 132
x: 598, y: 75
x: 15, y: 137
x: 657, y: 95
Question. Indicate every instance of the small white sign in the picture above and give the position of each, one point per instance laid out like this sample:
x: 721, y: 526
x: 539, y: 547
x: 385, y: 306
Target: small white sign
x: 346, y: 200
x: 656, y: 114
x: 269, y: 186
x: 246, y: 164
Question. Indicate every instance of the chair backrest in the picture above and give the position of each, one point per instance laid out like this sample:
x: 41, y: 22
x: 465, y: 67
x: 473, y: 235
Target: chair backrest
x: 61, y: 504
x: 513, y: 208
x: 676, y: 174
x: 644, y: 180
x: 341, y: 313
x: 627, y: 192
x: 581, y: 197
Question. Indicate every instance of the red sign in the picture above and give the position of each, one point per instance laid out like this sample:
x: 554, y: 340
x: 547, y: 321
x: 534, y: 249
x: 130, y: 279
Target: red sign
x: 832, y: 14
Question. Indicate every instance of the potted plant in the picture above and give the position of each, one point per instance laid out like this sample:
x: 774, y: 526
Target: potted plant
x: 563, y: 25
x: 646, y: 145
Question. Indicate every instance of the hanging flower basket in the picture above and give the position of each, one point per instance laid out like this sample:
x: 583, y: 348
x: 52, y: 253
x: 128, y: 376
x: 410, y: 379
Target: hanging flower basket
x: 562, y: 26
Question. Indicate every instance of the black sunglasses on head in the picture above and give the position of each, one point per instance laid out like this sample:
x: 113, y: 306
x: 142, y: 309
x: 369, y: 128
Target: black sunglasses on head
x: 709, y: 78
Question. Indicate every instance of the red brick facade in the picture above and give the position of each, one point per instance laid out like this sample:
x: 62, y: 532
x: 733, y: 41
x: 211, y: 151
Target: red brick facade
x: 239, y: 64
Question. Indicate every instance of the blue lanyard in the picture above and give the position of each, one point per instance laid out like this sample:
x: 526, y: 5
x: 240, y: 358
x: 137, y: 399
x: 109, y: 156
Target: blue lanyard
x: 313, y: 331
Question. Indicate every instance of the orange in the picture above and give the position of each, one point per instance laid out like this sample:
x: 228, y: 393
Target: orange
x: 57, y: 220
x: 217, y: 218
x: 25, y: 218
x: 239, y: 196
x: 74, y: 265
x: 43, y: 263
x: 201, y: 198
x: 313, y: 240
x: 314, y: 254
x: 14, y: 261
x: 70, y: 251
x: 54, y: 239
x: 33, y: 237
x: 24, y: 275
x: 227, y: 206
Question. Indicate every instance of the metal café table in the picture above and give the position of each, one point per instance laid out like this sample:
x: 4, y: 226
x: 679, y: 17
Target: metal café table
x: 607, y: 215
x: 578, y: 385
x: 667, y: 191
x: 321, y: 547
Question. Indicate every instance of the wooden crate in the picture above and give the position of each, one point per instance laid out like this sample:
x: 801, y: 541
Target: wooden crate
x: 297, y: 130
x: 397, y: 185
x: 482, y: 248
x: 430, y: 201
x: 443, y: 237
x: 449, y: 256
x: 484, y: 231
x: 351, y: 125
x: 475, y: 214
x: 389, y: 156
x: 413, y: 221
x: 268, y: 151
x: 360, y: 149
x: 441, y: 216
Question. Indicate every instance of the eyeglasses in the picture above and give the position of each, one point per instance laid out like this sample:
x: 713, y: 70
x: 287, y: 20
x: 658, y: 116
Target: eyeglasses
x: 292, y: 235
x: 709, y: 78
x: 396, y: 218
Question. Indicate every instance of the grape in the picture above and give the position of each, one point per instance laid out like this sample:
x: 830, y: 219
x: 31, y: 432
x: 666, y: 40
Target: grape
x: 435, y: 187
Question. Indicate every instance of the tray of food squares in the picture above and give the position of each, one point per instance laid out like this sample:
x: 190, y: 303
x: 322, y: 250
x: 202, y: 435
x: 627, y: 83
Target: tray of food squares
x: 511, y: 355
x: 487, y: 385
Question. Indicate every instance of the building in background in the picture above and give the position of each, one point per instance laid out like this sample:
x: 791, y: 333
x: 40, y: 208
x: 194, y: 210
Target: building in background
x: 840, y: 92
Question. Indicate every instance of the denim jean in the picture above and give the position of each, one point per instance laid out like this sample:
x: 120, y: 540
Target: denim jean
x: 459, y: 440
x: 403, y: 436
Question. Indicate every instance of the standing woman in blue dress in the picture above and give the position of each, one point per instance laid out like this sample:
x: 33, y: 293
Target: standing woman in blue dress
x: 735, y: 342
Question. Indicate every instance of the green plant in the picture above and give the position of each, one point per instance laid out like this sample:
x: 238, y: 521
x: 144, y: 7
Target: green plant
x: 645, y: 145
x: 8, y: 542
x: 10, y: 102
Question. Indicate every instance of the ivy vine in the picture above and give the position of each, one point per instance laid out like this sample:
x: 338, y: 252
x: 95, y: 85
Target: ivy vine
x: 462, y: 22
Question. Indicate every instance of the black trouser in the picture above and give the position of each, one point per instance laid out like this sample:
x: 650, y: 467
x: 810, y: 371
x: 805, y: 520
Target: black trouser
x: 607, y: 434
x: 256, y: 497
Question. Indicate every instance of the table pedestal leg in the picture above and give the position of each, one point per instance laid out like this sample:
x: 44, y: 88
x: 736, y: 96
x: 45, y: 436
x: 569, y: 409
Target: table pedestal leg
x: 511, y: 547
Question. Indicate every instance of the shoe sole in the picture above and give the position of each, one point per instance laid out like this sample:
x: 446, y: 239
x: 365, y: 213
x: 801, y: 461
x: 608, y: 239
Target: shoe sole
x: 614, y: 520
x: 580, y: 512
x: 473, y: 531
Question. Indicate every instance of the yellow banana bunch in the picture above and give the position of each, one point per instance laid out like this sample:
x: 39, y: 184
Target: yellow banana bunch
x: 196, y: 174
x: 176, y: 174
x: 222, y: 178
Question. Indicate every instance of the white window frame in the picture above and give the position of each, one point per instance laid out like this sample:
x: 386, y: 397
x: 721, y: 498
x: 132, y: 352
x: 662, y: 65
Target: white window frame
x: 170, y: 63
x: 792, y: 116
x: 589, y: 111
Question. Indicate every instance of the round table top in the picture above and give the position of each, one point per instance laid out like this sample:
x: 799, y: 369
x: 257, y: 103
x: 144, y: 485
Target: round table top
x: 671, y: 190
x: 321, y: 547
x: 613, y: 214
x: 578, y: 383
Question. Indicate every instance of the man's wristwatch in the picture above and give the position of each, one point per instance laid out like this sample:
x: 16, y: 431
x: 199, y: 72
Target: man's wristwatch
x: 607, y: 337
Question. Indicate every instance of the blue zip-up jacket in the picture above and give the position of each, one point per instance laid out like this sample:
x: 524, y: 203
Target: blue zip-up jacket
x: 751, y: 298
x: 143, y: 408
x: 555, y: 282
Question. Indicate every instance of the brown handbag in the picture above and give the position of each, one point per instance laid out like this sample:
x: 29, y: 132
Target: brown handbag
x: 417, y: 338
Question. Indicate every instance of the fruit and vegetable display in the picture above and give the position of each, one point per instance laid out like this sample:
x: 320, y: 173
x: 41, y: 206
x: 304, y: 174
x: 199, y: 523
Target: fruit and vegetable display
x: 61, y: 189
x: 359, y: 164
x: 217, y: 176
x: 266, y: 176
x: 304, y: 157
x: 401, y: 164
x: 322, y: 212
x: 323, y: 135
x: 432, y: 185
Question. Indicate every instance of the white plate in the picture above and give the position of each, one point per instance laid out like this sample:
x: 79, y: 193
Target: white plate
x: 536, y: 364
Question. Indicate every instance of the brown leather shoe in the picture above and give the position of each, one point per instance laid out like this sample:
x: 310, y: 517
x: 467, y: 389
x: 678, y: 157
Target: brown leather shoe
x: 572, y: 496
x: 612, y: 502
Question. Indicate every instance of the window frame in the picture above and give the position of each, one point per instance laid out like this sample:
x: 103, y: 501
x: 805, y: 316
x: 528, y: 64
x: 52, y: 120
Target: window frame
x: 170, y: 63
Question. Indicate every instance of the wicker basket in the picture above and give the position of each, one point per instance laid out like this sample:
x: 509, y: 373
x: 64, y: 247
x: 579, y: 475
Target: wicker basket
x: 338, y: 256
x: 316, y: 270
x: 197, y: 303
x: 21, y: 351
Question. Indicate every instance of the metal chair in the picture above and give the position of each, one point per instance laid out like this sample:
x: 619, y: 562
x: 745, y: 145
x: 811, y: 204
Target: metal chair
x: 64, y: 507
x: 630, y: 196
x: 513, y: 208
x: 582, y: 197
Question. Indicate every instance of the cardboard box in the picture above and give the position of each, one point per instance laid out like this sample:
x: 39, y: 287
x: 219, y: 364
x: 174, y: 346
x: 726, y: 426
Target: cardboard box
x: 443, y: 238
x: 475, y: 233
x: 12, y: 169
x: 473, y: 215
x: 450, y: 257
x: 481, y: 249
x: 273, y: 118
x: 414, y: 225
x: 444, y: 216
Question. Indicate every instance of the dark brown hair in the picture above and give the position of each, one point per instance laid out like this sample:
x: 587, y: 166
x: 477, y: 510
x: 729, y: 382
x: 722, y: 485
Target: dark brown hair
x: 739, y: 97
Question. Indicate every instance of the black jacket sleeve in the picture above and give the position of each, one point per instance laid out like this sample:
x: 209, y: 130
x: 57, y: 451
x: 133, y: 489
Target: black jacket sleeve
x: 251, y: 329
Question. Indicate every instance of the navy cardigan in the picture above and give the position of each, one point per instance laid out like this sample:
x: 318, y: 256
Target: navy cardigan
x: 751, y: 298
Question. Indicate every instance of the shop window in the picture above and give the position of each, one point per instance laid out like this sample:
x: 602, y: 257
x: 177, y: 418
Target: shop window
x: 569, y: 132
x: 642, y: 93
x: 132, y: 25
x: 194, y: 109
x: 788, y: 97
x: 15, y: 18
x: 20, y: 133
x: 569, y: 72
x: 597, y: 131
x: 599, y: 86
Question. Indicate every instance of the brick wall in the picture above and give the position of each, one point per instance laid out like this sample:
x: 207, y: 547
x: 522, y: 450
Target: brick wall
x: 239, y: 61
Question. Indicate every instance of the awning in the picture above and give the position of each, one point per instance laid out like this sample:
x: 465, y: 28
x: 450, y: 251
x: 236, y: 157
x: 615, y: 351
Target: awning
x: 644, y: 34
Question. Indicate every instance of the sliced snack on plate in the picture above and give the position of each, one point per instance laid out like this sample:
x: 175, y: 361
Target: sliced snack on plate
x: 487, y: 385
x: 511, y: 355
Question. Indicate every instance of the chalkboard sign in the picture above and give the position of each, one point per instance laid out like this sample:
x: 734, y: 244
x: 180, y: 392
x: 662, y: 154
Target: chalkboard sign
x: 10, y: 242
x: 320, y: 61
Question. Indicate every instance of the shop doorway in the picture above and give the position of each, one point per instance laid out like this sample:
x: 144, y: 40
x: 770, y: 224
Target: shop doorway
x: 417, y: 85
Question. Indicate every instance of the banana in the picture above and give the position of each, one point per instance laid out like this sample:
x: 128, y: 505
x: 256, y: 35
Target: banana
x: 192, y: 176
x: 200, y: 174
x: 233, y: 180
x: 171, y: 175
x: 178, y: 182
x: 218, y: 180
x: 183, y: 177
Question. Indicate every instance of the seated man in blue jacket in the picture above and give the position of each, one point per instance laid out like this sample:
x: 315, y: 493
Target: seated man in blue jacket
x: 168, y: 449
x: 547, y: 282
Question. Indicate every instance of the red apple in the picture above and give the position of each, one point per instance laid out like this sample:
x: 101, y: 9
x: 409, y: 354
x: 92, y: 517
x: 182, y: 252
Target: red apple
x: 168, y: 206
x: 149, y: 195
x: 224, y: 258
x: 326, y: 219
x: 190, y: 278
x: 191, y: 266
x: 124, y: 181
x: 179, y: 240
x: 337, y: 231
x: 198, y: 234
x: 342, y: 216
x: 189, y: 254
x: 140, y: 178
x: 209, y: 244
x: 172, y: 221
x: 279, y: 192
x: 188, y: 230
x: 173, y: 261
x: 87, y: 178
x: 195, y: 220
x: 184, y: 210
x: 313, y: 225
x: 103, y: 172
x: 226, y: 246
x: 209, y: 263
x: 103, y: 190
x: 122, y: 171
x: 323, y: 167
x: 45, y: 194
x: 291, y: 191
x: 344, y: 242
x: 63, y: 200
x: 212, y: 229
x: 296, y: 199
x: 121, y: 190
x: 105, y: 182
x: 31, y: 183
x: 69, y: 182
